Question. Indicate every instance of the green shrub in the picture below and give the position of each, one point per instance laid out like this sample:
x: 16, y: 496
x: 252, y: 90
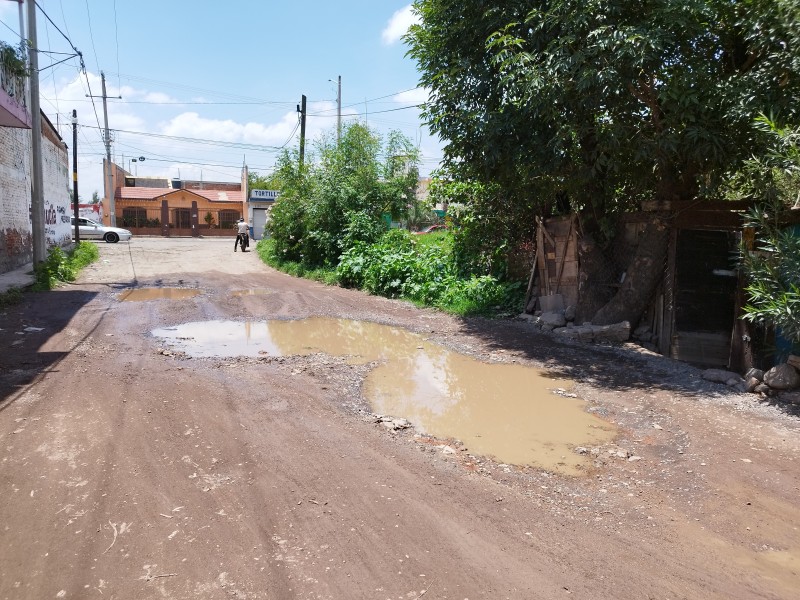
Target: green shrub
x: 10, y: 297
x: 266, y: 250
x: 482, y: 295
x: 62, y: 267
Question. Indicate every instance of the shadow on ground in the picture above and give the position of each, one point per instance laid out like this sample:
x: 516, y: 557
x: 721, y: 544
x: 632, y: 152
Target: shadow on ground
x: 25, y: 328
x: 621, y: 368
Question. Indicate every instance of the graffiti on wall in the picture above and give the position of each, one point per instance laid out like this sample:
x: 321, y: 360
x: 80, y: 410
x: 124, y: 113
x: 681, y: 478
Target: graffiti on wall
x: 58, y: 231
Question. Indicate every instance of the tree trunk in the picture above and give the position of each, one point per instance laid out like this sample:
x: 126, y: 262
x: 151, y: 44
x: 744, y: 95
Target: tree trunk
x: 645, y: 272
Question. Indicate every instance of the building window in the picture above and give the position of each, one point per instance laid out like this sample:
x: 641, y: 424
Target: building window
x: 134, y: 217
x: 228, y: 218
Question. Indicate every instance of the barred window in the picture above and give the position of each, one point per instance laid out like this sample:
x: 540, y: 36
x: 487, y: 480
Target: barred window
x: 228, y: 218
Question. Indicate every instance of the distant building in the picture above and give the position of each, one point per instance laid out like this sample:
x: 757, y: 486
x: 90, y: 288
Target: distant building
x: 176, y: 207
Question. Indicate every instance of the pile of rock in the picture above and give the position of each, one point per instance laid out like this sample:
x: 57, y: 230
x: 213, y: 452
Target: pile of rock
x: 782, y: 380
x: 562, y: 322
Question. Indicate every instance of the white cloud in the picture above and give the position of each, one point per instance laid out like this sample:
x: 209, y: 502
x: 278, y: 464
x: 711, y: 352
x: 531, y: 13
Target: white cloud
x: 416, y: 96
x: 192, y: 125
x: 398, y: 25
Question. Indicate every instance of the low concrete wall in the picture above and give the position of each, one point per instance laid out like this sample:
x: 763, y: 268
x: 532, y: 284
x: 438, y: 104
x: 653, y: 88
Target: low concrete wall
x: 173, y: 232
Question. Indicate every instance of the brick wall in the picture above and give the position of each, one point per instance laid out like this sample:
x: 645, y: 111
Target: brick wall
x: 16, y: 247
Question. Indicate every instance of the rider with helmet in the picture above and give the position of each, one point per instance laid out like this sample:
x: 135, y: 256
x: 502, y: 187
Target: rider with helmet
x: 242, y: 235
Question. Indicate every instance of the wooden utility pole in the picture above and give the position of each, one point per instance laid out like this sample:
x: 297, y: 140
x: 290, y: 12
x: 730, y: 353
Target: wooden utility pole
x: 75, y: 211
x: 37, y: 187
x: 302, y: 110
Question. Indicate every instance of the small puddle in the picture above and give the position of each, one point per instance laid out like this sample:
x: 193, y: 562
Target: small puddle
x: 143, y: 294
x: 503, y: 410
x: 253, y: 292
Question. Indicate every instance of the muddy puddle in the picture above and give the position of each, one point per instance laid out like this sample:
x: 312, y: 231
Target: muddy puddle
x: 517, y: 414
x: 143, y: 294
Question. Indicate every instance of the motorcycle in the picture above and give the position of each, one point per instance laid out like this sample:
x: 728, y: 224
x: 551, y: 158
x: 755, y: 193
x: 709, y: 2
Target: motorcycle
x: 243, y: 240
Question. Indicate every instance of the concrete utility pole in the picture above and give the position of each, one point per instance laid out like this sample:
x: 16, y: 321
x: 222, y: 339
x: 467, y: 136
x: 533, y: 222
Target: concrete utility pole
x: 37, y: 188
x: 302, y: 110
x: 109, y: 177
x: 339, y: 112
x: 75, y: 210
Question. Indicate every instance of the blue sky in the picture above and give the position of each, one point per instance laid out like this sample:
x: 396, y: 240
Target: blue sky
x: 231, y: 72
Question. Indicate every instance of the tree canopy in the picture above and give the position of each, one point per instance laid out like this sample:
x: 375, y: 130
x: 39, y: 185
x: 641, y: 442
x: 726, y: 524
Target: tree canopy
x: 605, y: 101
x: 341, y: 195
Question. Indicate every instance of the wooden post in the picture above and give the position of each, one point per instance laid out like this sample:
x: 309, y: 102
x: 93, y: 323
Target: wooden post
x: 564, y: 254
x: 541, y: 253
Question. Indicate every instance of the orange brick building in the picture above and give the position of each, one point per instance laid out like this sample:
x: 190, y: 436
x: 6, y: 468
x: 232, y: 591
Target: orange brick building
x: 173, y: 207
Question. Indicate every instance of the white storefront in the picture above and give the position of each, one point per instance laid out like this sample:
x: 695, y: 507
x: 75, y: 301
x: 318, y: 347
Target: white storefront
x: 258, y: 206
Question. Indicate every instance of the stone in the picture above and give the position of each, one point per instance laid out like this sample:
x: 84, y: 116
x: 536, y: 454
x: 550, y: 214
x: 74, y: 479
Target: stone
x: 641, y: 332
x: 782, y: 377
x: 552, y: 303
x: 763, y: 388
x: 794, y: 361
x: 569, y: 312
x: 751, y: 384
x: 720, y: 375
x: 552, y: 320
x: 616, y: 332
x: 531, y: 304
x: 757, y: 373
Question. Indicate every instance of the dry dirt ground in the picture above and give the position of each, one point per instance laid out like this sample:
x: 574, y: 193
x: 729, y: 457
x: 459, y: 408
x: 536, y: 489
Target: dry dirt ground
x: 128, y: 473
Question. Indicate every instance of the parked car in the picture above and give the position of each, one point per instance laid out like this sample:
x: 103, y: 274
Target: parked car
x: 91, y: 230
x: 430, y: 229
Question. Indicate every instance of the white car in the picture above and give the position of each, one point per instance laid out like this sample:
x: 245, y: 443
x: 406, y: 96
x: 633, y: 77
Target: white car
x: 91, y: 230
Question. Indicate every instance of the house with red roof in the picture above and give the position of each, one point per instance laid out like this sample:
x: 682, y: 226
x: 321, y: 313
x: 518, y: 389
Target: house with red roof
x: 174, y: 207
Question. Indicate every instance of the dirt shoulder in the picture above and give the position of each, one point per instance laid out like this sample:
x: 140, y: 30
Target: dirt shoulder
x: 131, y: 472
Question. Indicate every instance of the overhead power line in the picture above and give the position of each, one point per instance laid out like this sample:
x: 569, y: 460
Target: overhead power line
x: 241, y: 145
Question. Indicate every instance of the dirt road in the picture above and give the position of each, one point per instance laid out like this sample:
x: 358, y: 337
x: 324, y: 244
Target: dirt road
x: 130, y: 471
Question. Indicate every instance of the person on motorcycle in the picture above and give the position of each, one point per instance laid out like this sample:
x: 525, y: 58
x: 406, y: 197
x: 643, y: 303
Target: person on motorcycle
x: 242, y: 235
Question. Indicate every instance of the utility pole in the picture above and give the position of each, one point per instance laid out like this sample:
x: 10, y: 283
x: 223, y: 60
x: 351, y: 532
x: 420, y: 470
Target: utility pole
x: 302, y: 110
x: 339, y: 112
x: 109, y: 176
x: 37, y: 188
x: 75, y: 211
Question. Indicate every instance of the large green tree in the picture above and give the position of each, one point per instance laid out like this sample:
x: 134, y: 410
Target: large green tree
x: 604, y: 103
x: 342, y: 194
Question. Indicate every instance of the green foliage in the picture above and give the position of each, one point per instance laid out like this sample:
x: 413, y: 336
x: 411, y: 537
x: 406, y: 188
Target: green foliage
x: 773, y: 265
x: 13, y: 60
x: 596, y: 105
x: 482, y: 236
x: 482, y: 295
x: 63, y: 267
x: 773, y: 271
x: 267, y: 253
x: 399, y: 266
x: 338, y: 199
x: 10, y: 297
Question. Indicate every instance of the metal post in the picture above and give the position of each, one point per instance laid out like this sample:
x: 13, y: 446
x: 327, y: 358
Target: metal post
x: 76, y: 210
x: 37, y: 191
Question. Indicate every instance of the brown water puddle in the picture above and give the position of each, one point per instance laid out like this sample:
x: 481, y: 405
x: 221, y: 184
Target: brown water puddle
x: 143, y: 294
x: 252, y: 292
x: 507, y: 411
